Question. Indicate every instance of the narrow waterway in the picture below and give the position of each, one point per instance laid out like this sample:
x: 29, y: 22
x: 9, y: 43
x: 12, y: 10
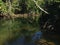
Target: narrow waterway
x: 21, y: 40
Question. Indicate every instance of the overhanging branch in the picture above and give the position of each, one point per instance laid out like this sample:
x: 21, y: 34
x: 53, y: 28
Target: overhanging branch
x: 40, y: 7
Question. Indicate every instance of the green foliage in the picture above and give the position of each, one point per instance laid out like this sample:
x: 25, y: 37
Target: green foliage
x: 32, y: 7
x: 3, y: 7
x: 15, y: 5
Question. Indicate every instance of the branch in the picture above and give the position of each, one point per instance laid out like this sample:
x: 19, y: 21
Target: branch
x: 40, y: 7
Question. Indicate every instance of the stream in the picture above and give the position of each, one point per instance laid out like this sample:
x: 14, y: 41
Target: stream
x: 21, y: 40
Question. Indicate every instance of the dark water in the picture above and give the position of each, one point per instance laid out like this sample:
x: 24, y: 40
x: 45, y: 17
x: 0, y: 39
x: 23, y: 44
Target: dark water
x: 21, y: 40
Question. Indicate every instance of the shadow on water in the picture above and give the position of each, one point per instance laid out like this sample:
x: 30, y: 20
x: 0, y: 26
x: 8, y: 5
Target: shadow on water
x: 21, y: 40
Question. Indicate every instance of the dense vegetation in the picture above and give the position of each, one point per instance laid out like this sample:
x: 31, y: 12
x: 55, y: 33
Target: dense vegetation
x: 22, y: 17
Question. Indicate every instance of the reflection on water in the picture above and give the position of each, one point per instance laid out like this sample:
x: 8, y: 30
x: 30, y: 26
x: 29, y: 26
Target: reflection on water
x: 21, y: 40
